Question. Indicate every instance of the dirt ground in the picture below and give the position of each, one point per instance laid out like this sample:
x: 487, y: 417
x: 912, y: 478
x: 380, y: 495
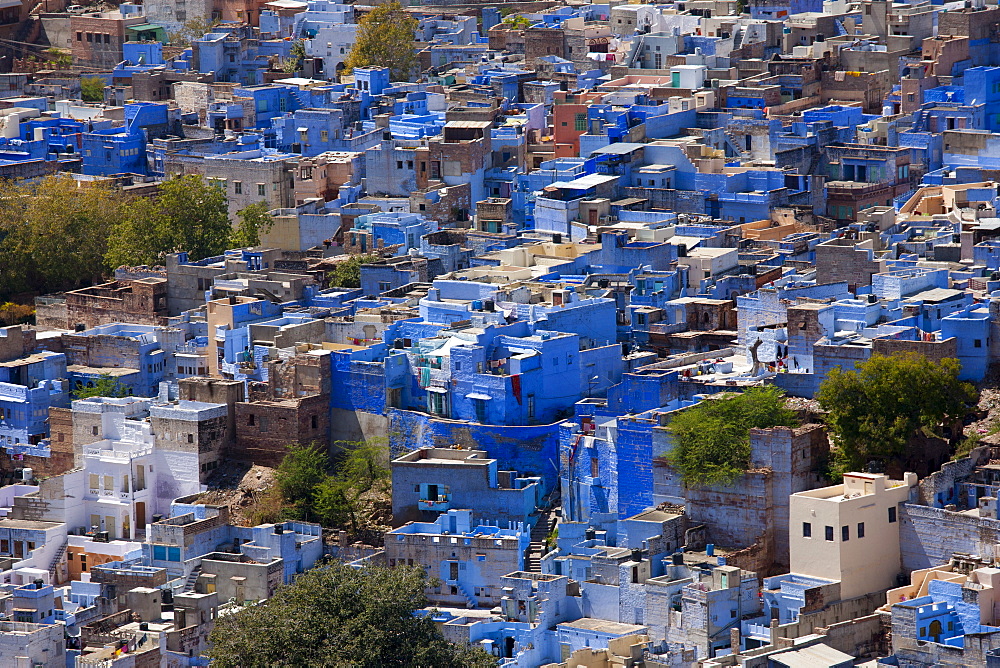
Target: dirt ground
x: 239, y: 486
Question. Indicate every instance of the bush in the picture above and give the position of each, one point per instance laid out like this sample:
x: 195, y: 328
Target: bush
x: 712, y: 438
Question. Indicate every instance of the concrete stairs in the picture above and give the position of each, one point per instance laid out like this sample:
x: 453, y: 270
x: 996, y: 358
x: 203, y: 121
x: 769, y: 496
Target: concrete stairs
x: 547, y: 521
x: 470, y: 600
x: 54, y: 564
x: 191, y: 579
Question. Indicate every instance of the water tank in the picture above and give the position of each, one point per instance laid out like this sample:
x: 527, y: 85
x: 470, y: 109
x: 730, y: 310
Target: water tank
x: 677, y: 558
x: 477, y: 305
x: 488, y: 305
x: 710, y: 549
x: 27, y: 474
x: 556, y: 238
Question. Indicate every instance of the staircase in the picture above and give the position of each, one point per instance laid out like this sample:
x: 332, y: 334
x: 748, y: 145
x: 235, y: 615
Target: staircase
x: 737, y: 144
x: 470, y: 600
x: 55, y: 562
x: 191, y: 579
x: 547, y: 520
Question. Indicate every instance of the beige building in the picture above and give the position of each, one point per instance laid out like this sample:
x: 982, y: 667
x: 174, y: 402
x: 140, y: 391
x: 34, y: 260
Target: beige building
x: 849, y: 532
x: 705, y: 263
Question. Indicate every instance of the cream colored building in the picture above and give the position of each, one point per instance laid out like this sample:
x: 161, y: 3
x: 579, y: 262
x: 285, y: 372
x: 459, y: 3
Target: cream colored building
x: 849, y: 532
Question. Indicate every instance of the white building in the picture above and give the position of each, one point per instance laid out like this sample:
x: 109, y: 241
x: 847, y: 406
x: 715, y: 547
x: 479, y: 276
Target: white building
x: 332, y: 43
x: 849, y: 532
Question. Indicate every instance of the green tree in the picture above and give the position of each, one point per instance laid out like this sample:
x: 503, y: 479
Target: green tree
x: 189, y: 214
x: 293, y: 63
x: 255, y: 219
x: 335, y: 615
x: 54, y: 233
x: 516, y: 22
x: 191, y: 30
x: 300, y: 472
x: 363, y: 466
x: 335, y: 503
x: 60, y: 58
x: 385, y: 39
x: 347, y: 273
x: 105, y: 386
x: 712, y: 438
x: 875, y: 411
x: 92, y: 89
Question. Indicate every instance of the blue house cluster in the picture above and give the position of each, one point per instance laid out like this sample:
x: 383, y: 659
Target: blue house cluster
x: 511, y: 267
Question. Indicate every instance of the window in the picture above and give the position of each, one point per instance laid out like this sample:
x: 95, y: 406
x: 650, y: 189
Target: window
x: 315, y: 422
x: 261, y: 190
x: 237, y: 187
x: 109, y: 482
x: 251, y: 420
x: 595, y: 467
x: 861, y: 529
x: 4, y: 546
x: 807, y: 530
x: 531, y: 406
x: 95, y: 481
x: 845, y: 533
x: 125, y: 483
x: 892, y: 516
x: 978, y: 343
x: 324, y: 136
x: 829, y: 534
x: 580, y: 122
x: 190, y: 438
x: 93, y: 430
x: 79, y: 36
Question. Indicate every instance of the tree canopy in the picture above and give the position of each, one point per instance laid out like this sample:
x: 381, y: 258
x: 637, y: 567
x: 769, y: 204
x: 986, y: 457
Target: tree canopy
x: 255, y: 219
x: 712, y: 438
x: 309, y: 491
x: 335, y: 615
x: 105, y: 386
x: 189, y: 214
x: 92, y: 89
x: 876, y: 410
x: 347, y: 273
x: 385, y: 39
x: 54, y: 234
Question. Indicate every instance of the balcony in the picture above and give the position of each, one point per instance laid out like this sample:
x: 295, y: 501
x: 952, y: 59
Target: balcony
x: 440, y: 504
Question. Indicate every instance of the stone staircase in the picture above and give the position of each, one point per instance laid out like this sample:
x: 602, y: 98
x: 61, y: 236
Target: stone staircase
x: 54, y: 564
x: 547, y: 521
x: 470, y: 600
x: 191, y: 579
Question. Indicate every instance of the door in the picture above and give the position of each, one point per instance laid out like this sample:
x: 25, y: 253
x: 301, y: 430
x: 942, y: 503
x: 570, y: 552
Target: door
x: 140, y: 478
x: 593, y: 216
x: 140, y: 516
x: 453, y: 570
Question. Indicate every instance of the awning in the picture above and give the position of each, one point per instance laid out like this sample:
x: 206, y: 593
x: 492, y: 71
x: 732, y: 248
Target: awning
x: 4, y: 4
x: 437, y: 390
x: 143, y: 27
x: 302, y: 129
x: 477, y: 395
